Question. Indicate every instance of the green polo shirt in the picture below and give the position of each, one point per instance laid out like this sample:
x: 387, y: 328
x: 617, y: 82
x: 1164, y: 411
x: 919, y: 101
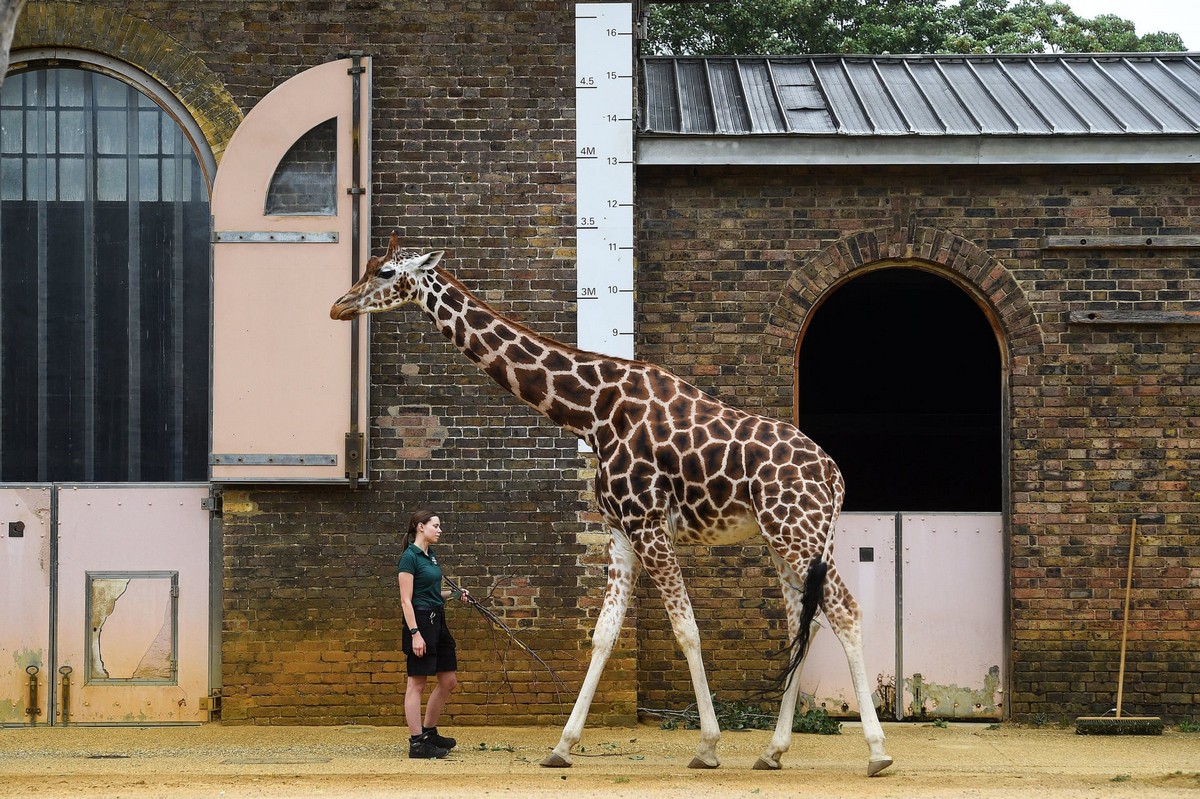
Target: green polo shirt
x: 427, y: 576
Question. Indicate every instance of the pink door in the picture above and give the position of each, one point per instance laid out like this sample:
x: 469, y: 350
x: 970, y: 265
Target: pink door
x: 933, y: 617
x: 954, y: 660
x: 864, y: 550
x: 133, y: 616
x: 291, y: 215
x: 25, y: 597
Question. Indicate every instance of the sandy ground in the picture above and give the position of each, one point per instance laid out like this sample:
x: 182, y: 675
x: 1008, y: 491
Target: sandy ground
x: 639, y: 762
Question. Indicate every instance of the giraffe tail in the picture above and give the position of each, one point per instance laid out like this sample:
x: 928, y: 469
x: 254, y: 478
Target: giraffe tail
x: 814, y: 588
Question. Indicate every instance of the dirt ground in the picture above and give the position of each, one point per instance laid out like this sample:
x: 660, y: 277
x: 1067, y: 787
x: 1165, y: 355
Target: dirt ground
x: 643, y: 762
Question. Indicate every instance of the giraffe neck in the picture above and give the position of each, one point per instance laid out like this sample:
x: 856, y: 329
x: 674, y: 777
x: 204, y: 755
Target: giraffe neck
x: 558, y: 381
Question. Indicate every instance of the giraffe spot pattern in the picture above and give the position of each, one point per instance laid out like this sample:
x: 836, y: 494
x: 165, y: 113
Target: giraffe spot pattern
x: 674, y: 465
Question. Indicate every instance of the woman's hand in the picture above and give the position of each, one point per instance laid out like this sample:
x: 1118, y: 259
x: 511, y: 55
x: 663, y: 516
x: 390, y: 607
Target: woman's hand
x: 418, y: 644
x: 464, y: 595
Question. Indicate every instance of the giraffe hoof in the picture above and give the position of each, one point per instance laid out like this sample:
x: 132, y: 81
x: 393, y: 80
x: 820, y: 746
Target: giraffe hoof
x: 876, y: 766
x: 555, y: 760
x: 764, y: 764
x: 697, y: 762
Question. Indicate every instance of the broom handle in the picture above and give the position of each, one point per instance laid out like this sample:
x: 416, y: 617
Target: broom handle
x: 1125, y: 621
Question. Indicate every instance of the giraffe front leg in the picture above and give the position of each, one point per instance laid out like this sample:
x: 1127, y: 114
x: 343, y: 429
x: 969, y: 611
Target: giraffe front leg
x: 668, y: 577
x: 622, y: 567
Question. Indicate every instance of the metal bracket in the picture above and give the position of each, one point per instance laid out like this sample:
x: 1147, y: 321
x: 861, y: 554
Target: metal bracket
x: 214, y: 503
x: 274, y: 237
x: 356, y: 190
x: 252, y: 459
x: 354, y: 460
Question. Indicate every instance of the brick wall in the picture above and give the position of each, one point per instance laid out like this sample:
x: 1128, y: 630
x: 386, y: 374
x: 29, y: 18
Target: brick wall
x: 473, y: 145
x: 1104, y: 419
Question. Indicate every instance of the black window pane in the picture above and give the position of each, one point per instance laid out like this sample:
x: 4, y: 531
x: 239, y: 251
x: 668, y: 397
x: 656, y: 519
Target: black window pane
x: 104, y: 285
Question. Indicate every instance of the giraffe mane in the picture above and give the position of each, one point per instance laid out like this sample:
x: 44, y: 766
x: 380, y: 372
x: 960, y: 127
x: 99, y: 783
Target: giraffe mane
x: 533, y: 334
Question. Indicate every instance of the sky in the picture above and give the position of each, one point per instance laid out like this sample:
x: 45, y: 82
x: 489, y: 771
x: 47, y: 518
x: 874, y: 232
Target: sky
x: 1149, y: 16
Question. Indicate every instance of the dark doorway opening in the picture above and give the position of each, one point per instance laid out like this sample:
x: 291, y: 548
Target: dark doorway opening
x: 899, y: 381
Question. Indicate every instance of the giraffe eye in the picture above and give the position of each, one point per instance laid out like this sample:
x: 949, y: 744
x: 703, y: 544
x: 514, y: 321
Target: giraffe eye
x: 387, y: 272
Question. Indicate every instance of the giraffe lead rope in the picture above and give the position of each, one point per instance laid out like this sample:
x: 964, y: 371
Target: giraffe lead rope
x: 499, y: 624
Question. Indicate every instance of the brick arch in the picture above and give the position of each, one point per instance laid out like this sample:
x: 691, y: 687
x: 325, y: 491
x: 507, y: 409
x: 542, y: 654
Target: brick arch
x: 107, y: 31
x: 952, y: 255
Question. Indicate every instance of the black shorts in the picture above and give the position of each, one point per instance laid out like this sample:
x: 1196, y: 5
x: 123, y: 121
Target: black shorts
x: 441, y: 653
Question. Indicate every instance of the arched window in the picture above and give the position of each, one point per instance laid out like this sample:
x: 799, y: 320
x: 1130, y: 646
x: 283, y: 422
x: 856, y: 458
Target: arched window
x: 104, y: 283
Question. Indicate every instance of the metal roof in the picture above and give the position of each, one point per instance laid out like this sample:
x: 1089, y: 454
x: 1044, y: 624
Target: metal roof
x: 898, y: 109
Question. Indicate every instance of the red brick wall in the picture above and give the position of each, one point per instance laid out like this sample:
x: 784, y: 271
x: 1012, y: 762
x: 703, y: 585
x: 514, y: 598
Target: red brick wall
x: 1103, y: 418
x: 473, y: 153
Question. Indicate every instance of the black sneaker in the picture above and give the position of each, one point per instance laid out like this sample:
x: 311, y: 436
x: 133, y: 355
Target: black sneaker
x: 431, y: 735
x: 421, y: 748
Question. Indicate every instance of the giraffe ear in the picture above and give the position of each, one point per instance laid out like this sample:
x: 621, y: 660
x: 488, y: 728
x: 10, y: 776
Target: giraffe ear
x: 430, y: 260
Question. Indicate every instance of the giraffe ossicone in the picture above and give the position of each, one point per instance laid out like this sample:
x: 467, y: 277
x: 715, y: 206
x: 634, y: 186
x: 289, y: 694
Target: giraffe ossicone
x: 674, y: 465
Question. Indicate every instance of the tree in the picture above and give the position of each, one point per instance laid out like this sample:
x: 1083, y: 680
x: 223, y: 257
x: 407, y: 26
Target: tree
x: 786, y: 27
x: 9, y: 11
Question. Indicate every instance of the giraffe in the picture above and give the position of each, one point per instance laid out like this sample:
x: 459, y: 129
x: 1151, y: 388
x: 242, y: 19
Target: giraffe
x: 674, y: 465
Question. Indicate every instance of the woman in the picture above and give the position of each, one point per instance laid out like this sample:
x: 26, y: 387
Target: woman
x: 427, y: 640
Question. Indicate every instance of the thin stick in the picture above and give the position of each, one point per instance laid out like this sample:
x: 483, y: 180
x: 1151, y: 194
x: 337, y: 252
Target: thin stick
x: 498, y: 623
x: 1125, y: 622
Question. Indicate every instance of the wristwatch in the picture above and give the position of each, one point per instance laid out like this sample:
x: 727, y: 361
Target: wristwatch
x: 413, y: 631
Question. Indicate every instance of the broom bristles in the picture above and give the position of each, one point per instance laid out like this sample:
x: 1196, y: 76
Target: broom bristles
x: 1125, y: 725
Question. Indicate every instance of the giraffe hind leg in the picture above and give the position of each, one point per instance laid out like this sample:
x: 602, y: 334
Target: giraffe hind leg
x: 846, y: 620
x: 799, y: 616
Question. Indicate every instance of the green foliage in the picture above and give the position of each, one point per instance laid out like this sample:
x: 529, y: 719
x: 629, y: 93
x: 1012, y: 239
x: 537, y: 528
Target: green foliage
x: 1189, y: 726
x: 792, y: 27
x: 745, y: 716
x: 818, y: 722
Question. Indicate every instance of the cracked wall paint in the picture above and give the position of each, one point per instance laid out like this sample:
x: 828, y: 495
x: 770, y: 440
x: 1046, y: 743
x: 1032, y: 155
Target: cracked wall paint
x: 132, y: 627
x: 953, y: 701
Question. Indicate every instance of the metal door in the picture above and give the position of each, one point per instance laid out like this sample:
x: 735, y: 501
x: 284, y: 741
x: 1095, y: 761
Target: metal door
x: 864, y: 551
x: 953, y: 641
x: 931, y: 588
x: 25, y: 560
x: 133, y: 612
x: 291, y: 216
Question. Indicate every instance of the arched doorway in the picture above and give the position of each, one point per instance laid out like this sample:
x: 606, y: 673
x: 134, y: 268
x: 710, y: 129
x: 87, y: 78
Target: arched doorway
x: 899, y: 380
x: 104, y: 396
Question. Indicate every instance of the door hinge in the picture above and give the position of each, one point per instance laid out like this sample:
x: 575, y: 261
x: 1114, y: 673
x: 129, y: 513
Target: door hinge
x: 211, y: 703
x: 354, y: 457
x: 213, y: 503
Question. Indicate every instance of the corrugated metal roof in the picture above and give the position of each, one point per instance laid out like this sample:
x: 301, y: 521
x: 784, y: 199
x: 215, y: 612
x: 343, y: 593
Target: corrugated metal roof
x: 924, y: 95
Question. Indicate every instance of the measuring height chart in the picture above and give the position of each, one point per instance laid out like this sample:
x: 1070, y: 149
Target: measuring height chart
x: 604, y: 177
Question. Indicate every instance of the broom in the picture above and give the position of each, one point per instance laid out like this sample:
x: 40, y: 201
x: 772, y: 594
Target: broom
x: 1118, y: 724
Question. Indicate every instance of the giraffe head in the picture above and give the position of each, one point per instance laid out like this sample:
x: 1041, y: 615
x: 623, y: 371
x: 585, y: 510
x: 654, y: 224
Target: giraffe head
x: 389, y: 281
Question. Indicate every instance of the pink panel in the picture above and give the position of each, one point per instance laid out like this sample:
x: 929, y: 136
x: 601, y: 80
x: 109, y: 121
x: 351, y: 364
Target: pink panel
x: 953, y: 620
x: 135, y: 529
x: 281, y: 366
x: 25, y: 598
x: 865, y: 555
